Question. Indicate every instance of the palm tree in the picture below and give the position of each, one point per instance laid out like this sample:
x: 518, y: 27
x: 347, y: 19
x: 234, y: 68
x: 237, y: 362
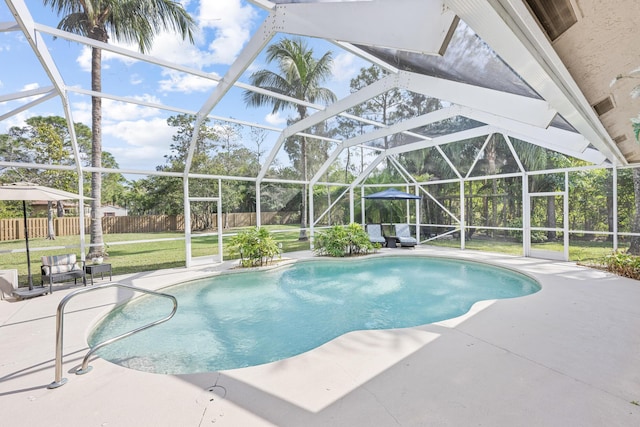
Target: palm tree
x: 300, y: 77
x: 135, y: 21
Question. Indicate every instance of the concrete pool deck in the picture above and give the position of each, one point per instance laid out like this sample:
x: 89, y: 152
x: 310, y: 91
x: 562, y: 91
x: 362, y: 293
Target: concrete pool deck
x: 568, y: 355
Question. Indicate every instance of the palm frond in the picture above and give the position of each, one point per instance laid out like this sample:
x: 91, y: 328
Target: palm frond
x: 132, y: 21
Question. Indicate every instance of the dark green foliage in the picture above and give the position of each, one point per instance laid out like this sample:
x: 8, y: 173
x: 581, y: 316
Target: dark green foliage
x: 623, y: 264
x: 537, y: 236
x: 256, y: 247
x: 340, y: 241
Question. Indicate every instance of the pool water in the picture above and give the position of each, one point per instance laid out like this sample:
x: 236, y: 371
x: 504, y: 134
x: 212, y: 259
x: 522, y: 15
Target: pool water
x: 250, y: 318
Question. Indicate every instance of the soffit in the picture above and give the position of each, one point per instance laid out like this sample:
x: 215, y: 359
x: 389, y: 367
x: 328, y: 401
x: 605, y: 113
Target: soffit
x: 600, y: 46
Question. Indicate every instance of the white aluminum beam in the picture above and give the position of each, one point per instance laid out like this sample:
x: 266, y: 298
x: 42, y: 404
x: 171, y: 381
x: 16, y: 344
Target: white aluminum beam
x: 514, y: 34
x: 515, y: 155
x: 449, y: 162
x: 265, y: 4
x: 124, y: 52
x: 533, y: 111
x: 168, y: 108
x: 556, y: 139
x: 27, y: 25
x: 46, y: 97
x: 256, y: 44
x: 445, y: 139
x: 365, y: 173
x: 6, y: 27
x: 412, y: 123
x: 160, y: 62
x: 356, y: 98
x: 366, y: 56
x: 479, y: 154
x: 422, y: 26
x: 27, y: 93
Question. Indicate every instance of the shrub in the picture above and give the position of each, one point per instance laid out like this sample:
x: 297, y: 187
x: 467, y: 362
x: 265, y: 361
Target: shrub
x: 340, y: 241
x: 623, y: 264
x: 256, y: 247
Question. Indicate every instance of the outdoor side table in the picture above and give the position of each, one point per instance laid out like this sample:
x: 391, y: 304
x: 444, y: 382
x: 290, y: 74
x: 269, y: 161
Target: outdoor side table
x: 391, y: 241
x: 98, y: 268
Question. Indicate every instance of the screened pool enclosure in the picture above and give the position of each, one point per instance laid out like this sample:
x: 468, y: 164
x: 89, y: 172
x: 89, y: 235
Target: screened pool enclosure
x: 464, y: 103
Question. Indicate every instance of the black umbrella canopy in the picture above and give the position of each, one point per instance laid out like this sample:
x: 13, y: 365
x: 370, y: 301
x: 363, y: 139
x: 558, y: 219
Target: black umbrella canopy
x: 30, y: 191
x: 392, y: 194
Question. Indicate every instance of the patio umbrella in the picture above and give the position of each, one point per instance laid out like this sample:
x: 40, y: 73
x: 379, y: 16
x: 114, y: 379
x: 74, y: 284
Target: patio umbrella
x: 392, y: 194
x: 28, y: 191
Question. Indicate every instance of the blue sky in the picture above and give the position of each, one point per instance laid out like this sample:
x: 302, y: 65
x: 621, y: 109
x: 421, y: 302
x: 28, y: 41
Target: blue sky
x: 138, y: 136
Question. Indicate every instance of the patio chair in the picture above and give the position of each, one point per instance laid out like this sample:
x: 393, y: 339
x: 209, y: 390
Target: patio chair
x: 375, y: 234
x: 61, y: 268
x: 403, y: 235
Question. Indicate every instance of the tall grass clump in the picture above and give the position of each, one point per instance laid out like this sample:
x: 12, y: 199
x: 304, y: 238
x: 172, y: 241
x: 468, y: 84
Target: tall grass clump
x: 622, y: 264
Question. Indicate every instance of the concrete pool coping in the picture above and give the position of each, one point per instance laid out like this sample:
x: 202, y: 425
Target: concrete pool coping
x: 567, y: 355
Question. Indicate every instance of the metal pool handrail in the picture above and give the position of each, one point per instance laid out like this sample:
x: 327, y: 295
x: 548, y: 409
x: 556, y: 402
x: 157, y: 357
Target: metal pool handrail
x: 59, y: 381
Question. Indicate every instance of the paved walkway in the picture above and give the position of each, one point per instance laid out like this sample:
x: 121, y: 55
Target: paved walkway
x: 568, y: 355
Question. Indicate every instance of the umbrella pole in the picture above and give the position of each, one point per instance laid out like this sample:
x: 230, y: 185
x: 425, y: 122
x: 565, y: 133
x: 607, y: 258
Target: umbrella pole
x: 26, y: 238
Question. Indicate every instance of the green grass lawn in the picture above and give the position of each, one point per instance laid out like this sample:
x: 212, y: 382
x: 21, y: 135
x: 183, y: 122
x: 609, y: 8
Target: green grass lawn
x: 583, y: 251
x: 145, y: 256
x: 135, y: 256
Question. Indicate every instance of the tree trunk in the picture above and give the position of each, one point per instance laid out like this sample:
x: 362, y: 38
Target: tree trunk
x: 303, y: 216
x: 328, y: 203
x: 469, y: 210
x: 551, y: 217
x: 634, y: 247
x: 494, y: 206
x: 492, y: 155
x: 51, y: 233
x: 97, y: 244
x: 610, y: 217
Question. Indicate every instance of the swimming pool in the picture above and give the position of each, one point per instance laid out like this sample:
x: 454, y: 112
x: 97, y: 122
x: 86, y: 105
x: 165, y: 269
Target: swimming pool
x: 250, y: 318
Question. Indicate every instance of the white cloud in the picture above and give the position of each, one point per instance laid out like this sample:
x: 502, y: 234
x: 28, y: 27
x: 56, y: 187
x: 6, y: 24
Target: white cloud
x: 116, y: 110
x: 255, y: 66
x: 344, y: 67
x: 19, y: 120
x: 84, y: 59
x: 145, y: 142
x: 26, y: 99
x: 275, y: 119
x: 137, y: 136
x: 180, y: 82
x: 30, y: 86
x: 171, y: 47
x: 231, y: 22
x: 224, y: 24
x: 136, y: 79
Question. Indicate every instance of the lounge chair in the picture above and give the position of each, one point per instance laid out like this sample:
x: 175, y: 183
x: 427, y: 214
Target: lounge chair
x: 403, y: 235
x: 375, y: 234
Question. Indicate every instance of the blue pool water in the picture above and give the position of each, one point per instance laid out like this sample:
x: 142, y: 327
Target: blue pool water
x: 250, y: 318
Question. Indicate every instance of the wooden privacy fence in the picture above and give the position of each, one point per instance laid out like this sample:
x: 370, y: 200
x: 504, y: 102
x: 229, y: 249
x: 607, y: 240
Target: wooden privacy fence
x: 13, y: 229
